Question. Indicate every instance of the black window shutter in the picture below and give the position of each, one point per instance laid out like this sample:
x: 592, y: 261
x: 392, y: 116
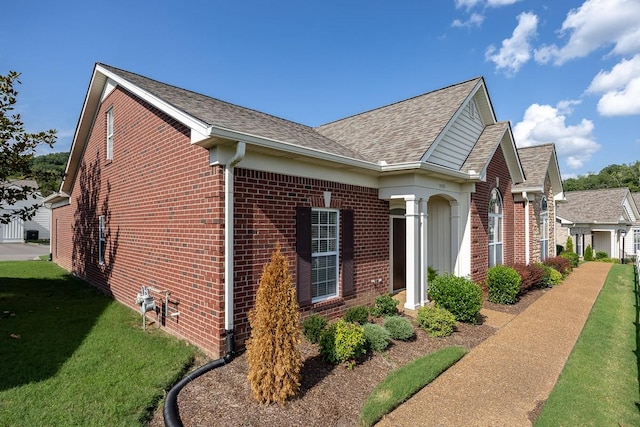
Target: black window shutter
x: 347, y: 252
x: 303, y: 252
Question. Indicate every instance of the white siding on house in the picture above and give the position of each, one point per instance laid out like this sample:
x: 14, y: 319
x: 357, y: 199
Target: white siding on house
x: 12, y: 232
x: 439, y: 234
x: 602, y: 242
x: 40, y: 223
x: 456, y: 144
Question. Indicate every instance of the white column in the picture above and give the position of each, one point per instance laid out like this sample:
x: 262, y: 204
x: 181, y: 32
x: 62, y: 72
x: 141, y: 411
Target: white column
x: 412, y: 253
x: 455, y: 236
x: 613, y: 251
x: 424, y: 286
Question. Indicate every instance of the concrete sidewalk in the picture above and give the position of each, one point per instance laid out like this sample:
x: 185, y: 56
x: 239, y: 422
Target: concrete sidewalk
x: 502, y: 381
x: 22, y: 251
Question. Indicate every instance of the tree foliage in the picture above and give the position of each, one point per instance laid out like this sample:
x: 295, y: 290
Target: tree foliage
x: 272, y: 351
x: 48, y: 171
x: 612, y: 176
x: 17, y: 149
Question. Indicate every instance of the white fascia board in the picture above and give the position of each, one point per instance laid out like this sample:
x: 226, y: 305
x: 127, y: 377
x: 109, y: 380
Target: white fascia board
x: 291, y: 149
x: 163, y: 106
x: 429, y: 167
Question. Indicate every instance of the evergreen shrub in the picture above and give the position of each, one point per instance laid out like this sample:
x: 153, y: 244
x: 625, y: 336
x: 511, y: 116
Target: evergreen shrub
x: 503, y: 283
x: 313, y: 326
x: 569, y: 247
x: 601, y: 255
x: 378, y: 338
x: 399, y: 327
x: 358, y: 314
x: 437, y: 321
x: 571, y: 256
x: 588, y: 253
x: 385, y: 305
x: 343, y: 342
x: 460, y: 296
x: 555, y: 277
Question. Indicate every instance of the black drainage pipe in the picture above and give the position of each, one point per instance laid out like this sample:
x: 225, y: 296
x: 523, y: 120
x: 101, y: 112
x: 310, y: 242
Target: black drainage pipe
x: 170, y: 410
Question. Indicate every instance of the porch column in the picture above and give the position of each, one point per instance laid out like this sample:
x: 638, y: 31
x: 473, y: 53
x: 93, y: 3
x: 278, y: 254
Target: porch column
x: 424, y: 286
x: 412, y: 253
x: 613, y: 253
x: 455, y: 235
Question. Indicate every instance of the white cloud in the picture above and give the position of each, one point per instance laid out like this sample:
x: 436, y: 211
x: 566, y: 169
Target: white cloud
x: 596, y: 24
x: 475, y: 20
x: 468, y: 4
x: 500, y: 3
x: 543, y: 124
x: 620, y: 88
x: 516, y: 50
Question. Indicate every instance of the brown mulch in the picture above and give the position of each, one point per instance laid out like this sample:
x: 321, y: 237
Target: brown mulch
x: 330, y: 395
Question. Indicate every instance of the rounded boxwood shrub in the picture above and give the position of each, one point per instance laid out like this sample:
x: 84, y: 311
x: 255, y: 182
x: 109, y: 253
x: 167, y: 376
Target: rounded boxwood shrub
x: 437, y: 321
x: 399, y: 327
x: 358, y: 314
x: 313, y: 326
x: 385, y: 306
x: 555, y: 277
x: 503, y: 284
x: 460, y: 296
x: 377, y: 337
x: 343, y: 342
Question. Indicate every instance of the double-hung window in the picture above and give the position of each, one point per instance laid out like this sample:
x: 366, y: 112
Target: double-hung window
x: 102, y: 239
x: 324, y: 252
x: 495, y: 228
x: 109, y: 149
x: 544, y: 229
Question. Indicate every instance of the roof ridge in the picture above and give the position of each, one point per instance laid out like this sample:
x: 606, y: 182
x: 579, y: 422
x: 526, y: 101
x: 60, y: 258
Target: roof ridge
x: 400, y: 101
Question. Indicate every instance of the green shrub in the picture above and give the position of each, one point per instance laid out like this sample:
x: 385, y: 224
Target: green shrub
x: 358, y: 314
x: 432, y: 273
x: 601, y: 255
x: 385, y: 306
x: 313, y: 326
x: 588, y: 253
x: 377, y: 337
x: 569, y: 247
x: 555, y: 277
x: 343, y: 342
x: 571, y: 256
x: 399, y: 327
x: 460, y: 296
x: 503, y: 284
x: 437, y: 321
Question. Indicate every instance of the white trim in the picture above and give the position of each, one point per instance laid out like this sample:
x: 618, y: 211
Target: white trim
x: 109, y: 146
x: 335, y: 254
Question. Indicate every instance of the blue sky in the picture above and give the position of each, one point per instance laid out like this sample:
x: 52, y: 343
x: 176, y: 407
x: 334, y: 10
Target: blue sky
x: 561, y: 71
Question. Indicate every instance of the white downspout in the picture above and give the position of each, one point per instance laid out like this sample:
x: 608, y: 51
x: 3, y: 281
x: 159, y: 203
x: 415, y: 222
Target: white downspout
x: 526, y: 227
x: 228, y: 235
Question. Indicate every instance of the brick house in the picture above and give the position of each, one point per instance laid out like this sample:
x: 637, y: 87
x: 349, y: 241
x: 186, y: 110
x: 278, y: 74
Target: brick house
x: 177, y: 191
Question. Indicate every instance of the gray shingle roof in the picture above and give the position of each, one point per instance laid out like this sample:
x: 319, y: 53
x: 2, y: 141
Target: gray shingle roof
x: 535, y: 162
x: 219, y: 113
x: 591, y: 206
x: 400, y: 132
x: 485, y: 147
x: 20, y: 183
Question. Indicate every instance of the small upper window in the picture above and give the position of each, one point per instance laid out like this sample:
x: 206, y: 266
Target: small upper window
x: 110, y: 134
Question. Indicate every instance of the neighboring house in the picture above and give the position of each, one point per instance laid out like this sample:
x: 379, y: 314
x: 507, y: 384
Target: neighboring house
x: 632, y: 240
x: 600, y: 218
x: 189, y: 194
x: 538, y: 195
x: 17, y: 230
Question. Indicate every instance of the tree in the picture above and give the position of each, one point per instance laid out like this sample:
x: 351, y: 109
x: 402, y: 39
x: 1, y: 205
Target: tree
x: 17, y: 148
x: 272, y: 351
x: 569, y: 247
x: 48, y: 171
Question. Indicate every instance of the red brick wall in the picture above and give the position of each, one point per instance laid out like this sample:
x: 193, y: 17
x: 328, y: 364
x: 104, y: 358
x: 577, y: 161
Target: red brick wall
x: 62, y: 235
x: 162, y: 202
x: 265, y: 215
x: 480, y: 217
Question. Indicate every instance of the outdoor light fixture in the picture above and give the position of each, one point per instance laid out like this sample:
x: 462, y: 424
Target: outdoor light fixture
x: 623, y: 233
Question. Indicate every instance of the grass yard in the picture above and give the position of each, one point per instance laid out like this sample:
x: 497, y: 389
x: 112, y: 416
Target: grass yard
x: 73, y: 356
x: 599, y: 384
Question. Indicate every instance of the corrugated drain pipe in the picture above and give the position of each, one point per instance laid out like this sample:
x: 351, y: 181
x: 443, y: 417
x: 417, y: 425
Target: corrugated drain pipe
x: 170, y: 411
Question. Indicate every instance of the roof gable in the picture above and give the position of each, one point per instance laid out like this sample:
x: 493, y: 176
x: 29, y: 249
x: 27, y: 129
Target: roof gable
x: 604, y: 206
x: 538, y: 161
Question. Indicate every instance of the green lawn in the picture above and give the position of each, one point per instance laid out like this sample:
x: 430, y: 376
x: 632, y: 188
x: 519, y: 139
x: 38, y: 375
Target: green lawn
x: 599, y: 384
x: 71, y: 355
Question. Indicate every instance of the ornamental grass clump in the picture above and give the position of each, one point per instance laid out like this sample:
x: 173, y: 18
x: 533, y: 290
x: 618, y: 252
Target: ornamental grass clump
x: 399, y: 327
x: 378, y: 338
x: 460, y: 296
x: 437, y: 321
x: 503, y: 284
x: 272, y: 350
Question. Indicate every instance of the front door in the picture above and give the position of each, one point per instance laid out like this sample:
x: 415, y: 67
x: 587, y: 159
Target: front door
x: 399, y: 249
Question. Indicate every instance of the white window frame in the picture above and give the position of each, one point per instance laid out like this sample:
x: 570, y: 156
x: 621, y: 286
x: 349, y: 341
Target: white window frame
x: 544, y: 229
x: 102, y: 239
x: 495, y: 229
x: 636, y: 241
x: 109, y: 149
x: 325, y: 259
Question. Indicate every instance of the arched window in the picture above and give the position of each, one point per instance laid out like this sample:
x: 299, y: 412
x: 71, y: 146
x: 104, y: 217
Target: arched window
x: 544, y: 229
x: 495, y: 228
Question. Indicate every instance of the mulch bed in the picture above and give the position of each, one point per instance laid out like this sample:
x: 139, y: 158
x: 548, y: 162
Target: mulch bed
x: 330, y: 395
